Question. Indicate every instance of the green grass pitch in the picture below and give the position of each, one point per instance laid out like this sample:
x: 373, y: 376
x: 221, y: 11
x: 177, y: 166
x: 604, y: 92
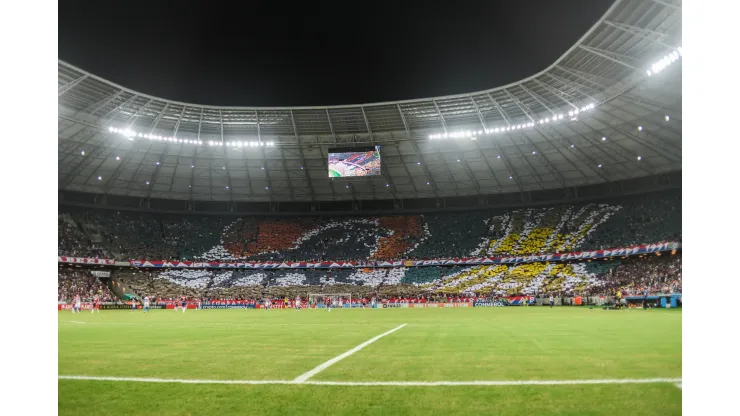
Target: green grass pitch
x: 452, y: 344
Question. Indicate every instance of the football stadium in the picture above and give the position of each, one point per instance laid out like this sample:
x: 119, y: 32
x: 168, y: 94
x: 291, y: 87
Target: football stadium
x: 515, y: 250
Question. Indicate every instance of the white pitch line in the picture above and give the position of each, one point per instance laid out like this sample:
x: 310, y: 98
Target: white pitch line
x: 172, y: 380
x: 383, y: 383
x: 76, y: 322
x: 493, y: 382
x: 679, y: 385
x: 305, y: 376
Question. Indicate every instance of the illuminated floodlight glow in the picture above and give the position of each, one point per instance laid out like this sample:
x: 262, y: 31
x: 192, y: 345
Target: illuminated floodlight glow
x: 82, y: 153
x: 551, y: 118
x: 147, y: 182
x: 118, y: 158
x: 130, y: 134
x: 667, y: 118
x: 639, y: 157
x: 664, y: 62
x: 639, y: 128
x: 100, y: 178
x: 599, y: 165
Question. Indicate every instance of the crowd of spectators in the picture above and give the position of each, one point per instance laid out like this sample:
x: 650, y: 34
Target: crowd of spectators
x: 642, y: 219
x: 636, y: 275
x: 517, y: 232
x: 73, y: 282
x: 633, y: 275
x: 72, y: 242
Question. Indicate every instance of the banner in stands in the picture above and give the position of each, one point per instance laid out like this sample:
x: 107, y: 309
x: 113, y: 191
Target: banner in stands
x: 84, y: 260
x: 578, y: 255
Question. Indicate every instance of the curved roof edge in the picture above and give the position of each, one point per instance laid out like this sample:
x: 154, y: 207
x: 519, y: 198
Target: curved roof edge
x: 415, y: 100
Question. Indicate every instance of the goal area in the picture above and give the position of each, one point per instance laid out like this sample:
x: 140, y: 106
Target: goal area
x: 333, y: 298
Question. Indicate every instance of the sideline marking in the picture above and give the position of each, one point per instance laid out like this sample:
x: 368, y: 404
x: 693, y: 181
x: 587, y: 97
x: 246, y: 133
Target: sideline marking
x: 76, y: 322
x: 679, y: 385
x: 305, y: 376
x: 382, y: 383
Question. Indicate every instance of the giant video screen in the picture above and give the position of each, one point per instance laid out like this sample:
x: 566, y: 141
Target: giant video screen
x: 354, y: 162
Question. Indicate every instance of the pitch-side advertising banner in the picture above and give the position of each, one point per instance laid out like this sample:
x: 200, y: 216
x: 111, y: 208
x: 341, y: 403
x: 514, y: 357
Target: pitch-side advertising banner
x: 578, y: 255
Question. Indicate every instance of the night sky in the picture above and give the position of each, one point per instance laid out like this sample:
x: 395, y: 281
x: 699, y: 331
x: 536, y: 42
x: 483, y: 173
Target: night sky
x: 274, y: 53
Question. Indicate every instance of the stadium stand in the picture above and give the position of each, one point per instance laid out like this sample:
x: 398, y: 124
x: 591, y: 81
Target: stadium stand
x: 553, y: 229
x: 73, y: 242
x: 655, y: 273
x: 74, y: 281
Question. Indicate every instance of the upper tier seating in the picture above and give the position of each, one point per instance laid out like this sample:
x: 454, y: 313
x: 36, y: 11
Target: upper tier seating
x: 515, y: 232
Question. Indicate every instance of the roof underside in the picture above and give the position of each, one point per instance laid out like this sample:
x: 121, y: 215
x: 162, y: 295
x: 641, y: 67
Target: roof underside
x: 606, y: 67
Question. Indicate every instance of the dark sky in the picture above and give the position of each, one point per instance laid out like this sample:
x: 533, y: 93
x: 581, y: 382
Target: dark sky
x: 274, y: 53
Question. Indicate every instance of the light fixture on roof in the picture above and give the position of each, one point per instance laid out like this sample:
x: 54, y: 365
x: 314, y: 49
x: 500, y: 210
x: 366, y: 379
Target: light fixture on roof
x: 266, y: 187
x: 511, y: 177
x: 192, y: 166
x: 100, y: 178
x: 603, y: 138
x: 418, y: 163
x: 387, y: 185
x: 498, y: 157
x: 458, y: 160
x: 118, y: 158
x: 147, y: 182
x: 227, y: 186
x: 223, y: 167
x: 639, y: 157
x: 533, y: 152
x: 667, y: 60
x: 639, y: 128
x: 572, y: 145
x: 157, y: 163
x: 667, y: 118
x: 82, y: 153
x: 427, y: 183
x: 599, y: 165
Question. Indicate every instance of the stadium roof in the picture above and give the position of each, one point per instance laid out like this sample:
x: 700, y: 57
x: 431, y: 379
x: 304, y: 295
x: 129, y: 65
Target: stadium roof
x: 602, y: 112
